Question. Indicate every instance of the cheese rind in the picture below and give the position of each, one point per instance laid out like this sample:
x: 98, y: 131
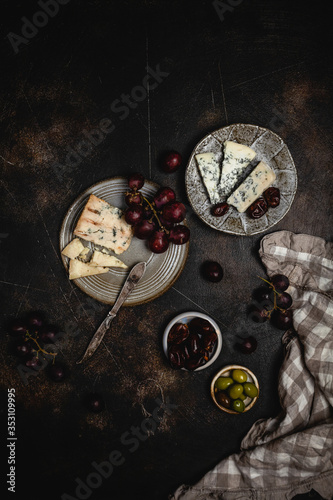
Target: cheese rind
x: 236, y: 158
x: 210, y: 172
x: 100, y: 259
x: 253, y: 186
x: 104, y: 225
x: 73, y: 249
x: 78, y: 269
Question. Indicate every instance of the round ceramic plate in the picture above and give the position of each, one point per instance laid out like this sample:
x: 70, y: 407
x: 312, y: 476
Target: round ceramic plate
x: 269, y: 148
x: 162, y: 269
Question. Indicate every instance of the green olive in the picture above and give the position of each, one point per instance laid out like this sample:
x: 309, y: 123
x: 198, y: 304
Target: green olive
x: 222, y: 383
x: 239, y: 376
x: 235, y: 390
x: 238, y: 406
x: 250, y: 390
x: 223, y: 399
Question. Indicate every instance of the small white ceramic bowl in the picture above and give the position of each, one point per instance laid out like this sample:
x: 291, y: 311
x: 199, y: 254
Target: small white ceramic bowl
x: 186, y: 317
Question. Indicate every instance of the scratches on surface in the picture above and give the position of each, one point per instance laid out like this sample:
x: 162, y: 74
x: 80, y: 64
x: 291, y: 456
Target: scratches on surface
x: 223, y: 95
x: 148, y: 110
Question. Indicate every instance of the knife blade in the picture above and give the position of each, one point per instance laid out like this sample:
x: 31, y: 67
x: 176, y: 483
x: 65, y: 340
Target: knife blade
x: 132, y: 279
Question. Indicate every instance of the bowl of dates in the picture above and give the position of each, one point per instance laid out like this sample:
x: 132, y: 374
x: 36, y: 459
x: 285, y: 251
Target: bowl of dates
x: 192, y: 341
x: 234, y: 389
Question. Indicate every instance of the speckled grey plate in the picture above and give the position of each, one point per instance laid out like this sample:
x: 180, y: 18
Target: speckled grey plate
x: 270, y: 148
x: 162, y: 269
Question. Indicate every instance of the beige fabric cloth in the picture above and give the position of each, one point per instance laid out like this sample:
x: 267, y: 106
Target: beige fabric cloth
x: 292, y: 453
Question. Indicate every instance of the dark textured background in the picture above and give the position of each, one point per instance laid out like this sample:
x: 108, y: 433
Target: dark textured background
x: 266, y: 63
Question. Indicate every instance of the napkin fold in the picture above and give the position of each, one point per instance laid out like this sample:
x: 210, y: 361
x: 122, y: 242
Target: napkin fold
x: 292, y: 453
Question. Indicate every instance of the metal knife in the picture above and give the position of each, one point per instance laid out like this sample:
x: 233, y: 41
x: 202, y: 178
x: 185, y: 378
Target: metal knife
x: 133, y: 278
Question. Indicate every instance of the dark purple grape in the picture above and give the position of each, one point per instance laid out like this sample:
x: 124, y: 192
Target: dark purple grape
x: 158, y: 242
x: 284, y: 300
x: 247, y: 345
x: 259, y: 314
x: 174, y: 211
x: 147, y: 212
x: 48, y: 334
x: 57, y: 371
x: 212, y: 271
x: 166, y: 223
x: 22, y: 348
x: 18, y: 328
x: 263, y: 294
x: 280, y: 282
x: 33, y: 362
x: 34, y: 320
x: 283, y: 319
x: 272, y: 196
x: 179, y: 235
x: 136, y: 181
x: 134, y: 214
x: 144, y: 229
x: 163, y: 196
x: 133, y: 198
x: 220, y: 209
x: 95, y: 402
x: 171, y: 162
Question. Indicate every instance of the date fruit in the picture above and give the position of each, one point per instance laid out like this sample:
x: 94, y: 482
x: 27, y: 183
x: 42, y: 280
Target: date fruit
x: 258, y: 208
x: 272, y: 196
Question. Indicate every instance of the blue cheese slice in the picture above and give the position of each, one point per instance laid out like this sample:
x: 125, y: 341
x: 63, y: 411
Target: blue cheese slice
x: 210, y: 172
x: 236, y: 158
x: 104, y: 225
x: 100, y: 259
x: 261, y: 177
x: 78, y: 269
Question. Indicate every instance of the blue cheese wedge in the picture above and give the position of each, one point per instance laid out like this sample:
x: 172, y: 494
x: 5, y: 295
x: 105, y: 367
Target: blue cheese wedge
x: 100, y: 259
x: 210, y: 172
x: 261, y: 177
x: 73, y: 249
x: 236, y: 158
x: 104, y: 225
x: 78, y: 269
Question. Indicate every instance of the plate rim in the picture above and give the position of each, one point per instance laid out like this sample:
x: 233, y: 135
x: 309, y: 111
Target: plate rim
x: 76, y: 283
x: 228, y: 231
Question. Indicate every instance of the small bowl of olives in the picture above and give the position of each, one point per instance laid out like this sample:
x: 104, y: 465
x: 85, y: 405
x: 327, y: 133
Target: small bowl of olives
x: 234, y: 389
x: 192, y: 341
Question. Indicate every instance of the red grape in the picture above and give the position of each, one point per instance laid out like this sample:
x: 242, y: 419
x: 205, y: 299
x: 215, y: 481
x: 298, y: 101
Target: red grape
x: 133, y: 198
x: 284, y: 300
x: 212, y: 271
x: 179, y: 235
x: 57, y: 371
x: 35, y: 320
x: 33, y: 362
x: 259, y: 314
x: 134, y: 214
x: 280, y: 282
x: 163, y: 196
x: 247, y: 345
x: 220, y: 209
x: 283, y: 319
x: 263, y: 295
x: 95, y: 402
x: 144, y: 229
x: 48, y: 334
x: 166, y: 223
x: 174, y: 211
x: 171, y: 162
x: 158, y: 242
x: 22, y: 349
x: 18, y: 328
x: 136, y: 181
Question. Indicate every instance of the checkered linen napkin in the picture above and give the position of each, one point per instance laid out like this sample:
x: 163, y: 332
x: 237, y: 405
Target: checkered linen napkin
x: 292, y: 453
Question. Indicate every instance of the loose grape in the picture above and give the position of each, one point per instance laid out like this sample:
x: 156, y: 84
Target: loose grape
x: 171, y: 162
x: 222, y: 383
x: 238, y: 405
x: 247, y: 345
x: 212, y: 271
x: 235, y: 390
x: 136, y: 181
x: 250, y: 390
x: 239, y: 376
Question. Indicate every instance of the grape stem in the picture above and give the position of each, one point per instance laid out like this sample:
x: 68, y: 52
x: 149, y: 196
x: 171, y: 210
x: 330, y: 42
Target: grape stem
x: 275, y: 306
x: 40, y: 349
x: 151, y: 206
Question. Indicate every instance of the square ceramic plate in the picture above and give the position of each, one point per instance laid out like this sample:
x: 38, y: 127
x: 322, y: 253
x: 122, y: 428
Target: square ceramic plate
x: 162, y: 269
x: 269, y: 148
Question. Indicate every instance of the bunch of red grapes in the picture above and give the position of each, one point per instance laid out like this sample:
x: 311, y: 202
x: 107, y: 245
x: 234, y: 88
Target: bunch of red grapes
x: 273, y: 303
x: 157, y: 221
x: 31, y: 334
